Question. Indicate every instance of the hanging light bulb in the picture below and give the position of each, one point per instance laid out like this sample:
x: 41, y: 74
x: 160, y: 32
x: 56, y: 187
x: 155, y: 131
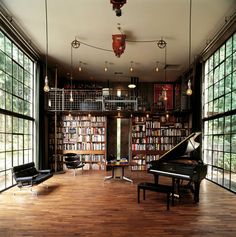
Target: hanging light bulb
x: 105, y: 68
x: 189, y: 89
x: 164, y: 94
x: 131, y: 66
x: 46, y: 87
x: 118, y: 93
x: 157, y: 69
x: 71, y: 97
x: 80, y: 67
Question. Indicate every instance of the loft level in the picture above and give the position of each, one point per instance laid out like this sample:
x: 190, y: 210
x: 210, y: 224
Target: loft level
x: 90, y: 100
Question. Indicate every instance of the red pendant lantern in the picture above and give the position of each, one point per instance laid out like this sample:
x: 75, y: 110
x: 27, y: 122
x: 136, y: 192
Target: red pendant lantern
x: 118, y: 44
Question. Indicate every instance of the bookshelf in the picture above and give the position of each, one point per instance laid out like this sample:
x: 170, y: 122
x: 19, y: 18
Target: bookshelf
x: 152, y: 137
x: 55, y: 141
x: 86, y: 136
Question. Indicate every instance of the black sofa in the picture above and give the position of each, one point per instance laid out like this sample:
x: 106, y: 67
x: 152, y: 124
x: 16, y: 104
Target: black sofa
x: 27, y: 175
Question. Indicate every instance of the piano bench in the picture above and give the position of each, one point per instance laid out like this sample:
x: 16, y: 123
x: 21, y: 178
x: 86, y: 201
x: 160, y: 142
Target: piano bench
x: 156, y: 188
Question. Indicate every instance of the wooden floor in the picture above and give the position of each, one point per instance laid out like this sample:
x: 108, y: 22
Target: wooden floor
x: 85, y: 205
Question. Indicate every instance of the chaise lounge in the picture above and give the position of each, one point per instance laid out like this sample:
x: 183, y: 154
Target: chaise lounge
x: 27, y: 175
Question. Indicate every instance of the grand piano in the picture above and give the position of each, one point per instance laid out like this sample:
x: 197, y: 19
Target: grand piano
x: 182, y: 163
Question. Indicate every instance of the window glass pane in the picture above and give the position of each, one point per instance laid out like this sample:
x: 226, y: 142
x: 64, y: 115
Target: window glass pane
x: 234, y: 100
x: 8, y: 102
x: 15, y: 70
x: 8, y: 65
x: 15, y: 83
x: 2, y: 122
x: 234, y: 81
x: 233, y: 162
x: 216, y: 106
x: 15, y: 104
x: 221, y: 87
x: 8, y: 144
x: 234, y: 61
x: 227, y: 126
x: 227, y: 102
x: 2, y: 80
x: 211, y: 63
x: 8, y: 47
x: 21, y: 58
x: 216, y: 90
x: 233, y: 143
x: 234, y: 42
x: 233, y: 129
x: 216, y: 74
x: 15, y: 53
x: 227, y: 143
x: 2, y: 100
x: 216, y: 58
x: 2, y: 42
x: 8, y: 84
x: 2, y: 61
x: 228, y: 65
x: 229, y: 47
x: 228, y: 83
x: 20, y: 74
x: 210, y: 78
x: 222, y: 71
x: 8, y: 124
x: 222, y: 53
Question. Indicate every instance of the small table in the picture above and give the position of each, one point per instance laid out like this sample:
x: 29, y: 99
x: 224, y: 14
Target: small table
x: 118, y: 165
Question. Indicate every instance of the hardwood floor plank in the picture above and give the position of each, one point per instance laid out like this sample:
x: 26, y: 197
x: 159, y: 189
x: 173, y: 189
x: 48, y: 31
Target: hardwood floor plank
x: 85, y: 205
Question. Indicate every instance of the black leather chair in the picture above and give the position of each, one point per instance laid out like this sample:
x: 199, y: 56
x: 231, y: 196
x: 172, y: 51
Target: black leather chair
x: 72, y: 161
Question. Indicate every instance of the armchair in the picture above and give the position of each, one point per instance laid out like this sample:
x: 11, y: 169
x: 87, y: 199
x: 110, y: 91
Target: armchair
x: 72, y: 161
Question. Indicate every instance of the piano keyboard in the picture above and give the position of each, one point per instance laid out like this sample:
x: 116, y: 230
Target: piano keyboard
x: 174, y: 175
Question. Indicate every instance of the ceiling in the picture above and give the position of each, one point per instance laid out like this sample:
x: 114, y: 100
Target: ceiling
x: 92, y: 22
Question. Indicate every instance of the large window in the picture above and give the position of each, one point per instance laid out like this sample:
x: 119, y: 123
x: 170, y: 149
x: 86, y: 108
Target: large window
x: 219, y: 115
x: 16, y: 109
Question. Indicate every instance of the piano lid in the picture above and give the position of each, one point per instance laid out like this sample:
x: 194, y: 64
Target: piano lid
x: 186, y: 146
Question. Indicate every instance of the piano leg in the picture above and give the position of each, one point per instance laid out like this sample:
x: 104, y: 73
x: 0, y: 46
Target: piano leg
x: 196, y: 191
x: 156, y: 179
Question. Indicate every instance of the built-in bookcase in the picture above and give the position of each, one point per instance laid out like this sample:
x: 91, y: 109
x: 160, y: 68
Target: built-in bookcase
x: 152, y: 137
x: 86, y: 136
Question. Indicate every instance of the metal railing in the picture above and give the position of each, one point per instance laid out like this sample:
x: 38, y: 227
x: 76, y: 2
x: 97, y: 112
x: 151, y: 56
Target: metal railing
x: 90, y: 100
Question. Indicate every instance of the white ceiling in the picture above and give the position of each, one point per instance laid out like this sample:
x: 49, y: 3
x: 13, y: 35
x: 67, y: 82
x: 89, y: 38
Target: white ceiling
x: 93, y: 22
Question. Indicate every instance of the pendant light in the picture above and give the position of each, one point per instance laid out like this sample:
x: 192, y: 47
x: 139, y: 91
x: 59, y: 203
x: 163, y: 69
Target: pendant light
x: 132, y: 83
x: 164, y: 89
x: 157, y: 68
x: 46, y: 86
x: 131, y: 66
x: 71, y: 68
x: 105, y: 67
x: 189, y: 89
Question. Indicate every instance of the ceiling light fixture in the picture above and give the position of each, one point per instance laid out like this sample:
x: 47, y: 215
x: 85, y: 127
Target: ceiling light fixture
x: 132, y: 84
x: 118, y: 42
x: 189, y: 89
x: 117, y: 4
x: 46, y: 86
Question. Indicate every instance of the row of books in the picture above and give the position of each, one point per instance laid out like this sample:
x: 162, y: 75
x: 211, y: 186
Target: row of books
x: 84, y: 130
x: 85, y: 146
x: 85, y: 118
x: 82, y: 138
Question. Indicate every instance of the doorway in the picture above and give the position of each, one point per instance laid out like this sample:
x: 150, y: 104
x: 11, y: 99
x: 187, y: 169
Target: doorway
x: 118, y: 137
